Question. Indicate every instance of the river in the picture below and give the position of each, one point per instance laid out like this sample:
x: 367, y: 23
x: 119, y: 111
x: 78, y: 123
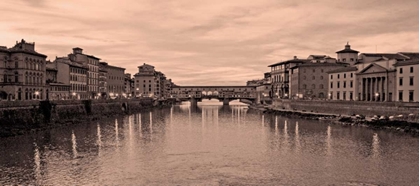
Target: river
x: 209, y: 145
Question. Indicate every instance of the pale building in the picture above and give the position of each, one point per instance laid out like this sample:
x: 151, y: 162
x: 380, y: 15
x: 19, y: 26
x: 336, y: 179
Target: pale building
x: 407, y: 76
x: 22, y: 72
x: 347, y: 55
x: 145, y: 81
x: 342, y: 84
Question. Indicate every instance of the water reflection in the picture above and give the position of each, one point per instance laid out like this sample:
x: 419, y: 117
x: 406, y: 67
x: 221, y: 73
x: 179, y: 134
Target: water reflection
x: 297, y: 140
x: 208, y: 144
x: 74, y: 144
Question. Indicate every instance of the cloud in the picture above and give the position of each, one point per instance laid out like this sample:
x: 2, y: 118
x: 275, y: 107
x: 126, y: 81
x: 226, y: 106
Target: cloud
x: 209, y: 42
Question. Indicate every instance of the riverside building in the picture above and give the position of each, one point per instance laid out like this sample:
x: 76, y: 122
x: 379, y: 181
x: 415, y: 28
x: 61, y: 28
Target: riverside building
x: 22, y: 72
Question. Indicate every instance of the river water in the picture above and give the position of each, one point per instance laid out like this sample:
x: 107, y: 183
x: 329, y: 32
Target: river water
x: 209, y: 145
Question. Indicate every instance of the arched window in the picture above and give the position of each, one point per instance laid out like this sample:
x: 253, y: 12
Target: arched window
x: 16, y: 64
x: 16, y: 77
x: 304, y: 86
x: 321, y: 86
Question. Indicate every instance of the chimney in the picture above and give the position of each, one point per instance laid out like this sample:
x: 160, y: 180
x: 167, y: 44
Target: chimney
x: 294, y: 57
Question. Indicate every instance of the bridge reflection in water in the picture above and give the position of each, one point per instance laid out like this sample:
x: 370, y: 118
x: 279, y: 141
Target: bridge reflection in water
x: 208, y: 144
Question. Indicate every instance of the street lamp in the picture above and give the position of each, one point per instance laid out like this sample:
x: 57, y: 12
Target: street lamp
x: 376, y: 96
x: 36, y: 94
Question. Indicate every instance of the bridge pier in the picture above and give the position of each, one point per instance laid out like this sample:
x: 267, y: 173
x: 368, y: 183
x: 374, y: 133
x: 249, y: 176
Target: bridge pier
x: 193, y: 102
x: 226, y: 101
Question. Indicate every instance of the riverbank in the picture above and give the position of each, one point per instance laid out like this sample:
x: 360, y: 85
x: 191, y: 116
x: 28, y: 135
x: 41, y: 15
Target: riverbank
x: 396, y: 124
x: 50, y: 114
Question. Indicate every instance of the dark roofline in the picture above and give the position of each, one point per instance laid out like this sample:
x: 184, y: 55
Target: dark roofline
x: 347, y: 51
x: 115, y: 67
x: 405, y: 63
x: 290, y: 61
x: 319, y: 64
x: 345, y: 69
x: 215, y: 86
x: 92, y: 56
x: 28, y: 52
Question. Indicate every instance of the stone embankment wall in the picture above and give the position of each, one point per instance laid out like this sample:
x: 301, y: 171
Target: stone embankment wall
x: 18, y: 117
x: 352, y: 107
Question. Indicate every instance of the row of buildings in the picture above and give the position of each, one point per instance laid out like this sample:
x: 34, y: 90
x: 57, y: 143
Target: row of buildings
x: 27, y: 75
x: 351, y: 76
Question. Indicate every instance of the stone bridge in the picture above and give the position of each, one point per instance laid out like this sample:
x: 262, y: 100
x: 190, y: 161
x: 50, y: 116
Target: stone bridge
x: 226, y: 94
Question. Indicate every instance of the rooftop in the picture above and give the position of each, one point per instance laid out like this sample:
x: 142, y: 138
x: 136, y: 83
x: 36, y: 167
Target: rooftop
x: 344, y: 69
x: 347, y: 49
x: 294, y: 60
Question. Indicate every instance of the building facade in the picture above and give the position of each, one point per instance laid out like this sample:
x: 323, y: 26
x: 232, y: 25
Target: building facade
x: 92, y: 64
x: 407, y: 76
x: 115, y: 81
x: 342, y: 84
x: 310, y: 80
x: 280, y: 77
x: 22, y: 72
x: 75, y: 75
x: 145, y: 81
x: 103, y: 80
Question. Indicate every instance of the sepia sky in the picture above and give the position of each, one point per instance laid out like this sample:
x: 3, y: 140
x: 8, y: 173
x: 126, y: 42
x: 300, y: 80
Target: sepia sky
x: 217, y: 42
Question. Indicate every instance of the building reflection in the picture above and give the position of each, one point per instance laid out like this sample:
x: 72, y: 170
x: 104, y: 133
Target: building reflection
x: 328, y: 141
x: 74, y: 144
x: 37, y: 164
x: 297, y: 138
x: 375, y: 145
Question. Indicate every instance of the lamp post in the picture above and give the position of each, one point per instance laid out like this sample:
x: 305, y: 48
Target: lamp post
x: 329, y: 96
x: 36, y: 94
x: 74, y: 95
x: 376, y: 96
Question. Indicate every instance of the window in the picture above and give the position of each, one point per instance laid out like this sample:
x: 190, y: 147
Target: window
x: 411, y: 95
x: 351, y: 75
x: 313, y: 77
x: 411, y: 81
x: 338, y: 95
x: 344, y: 95
x: 313, y: 86
x: 411, y: 69
x: 351, y: 84
x: 401, y: 70
x: 322, y: 70
x: 331, y: 85
x: 322, y: 77
x: 338, y: 76
x: 351, y: 95
x: 338, y: 84
x: 401, y: 81
x: 344, y: 59
x: 321, y: 86
x: 313, y: 70
x: 344, y: 84
x: 351, y: 59
x: 304, y: 86
x: 344, y: 75
x: 331, y: 77
x: 400, y: 95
